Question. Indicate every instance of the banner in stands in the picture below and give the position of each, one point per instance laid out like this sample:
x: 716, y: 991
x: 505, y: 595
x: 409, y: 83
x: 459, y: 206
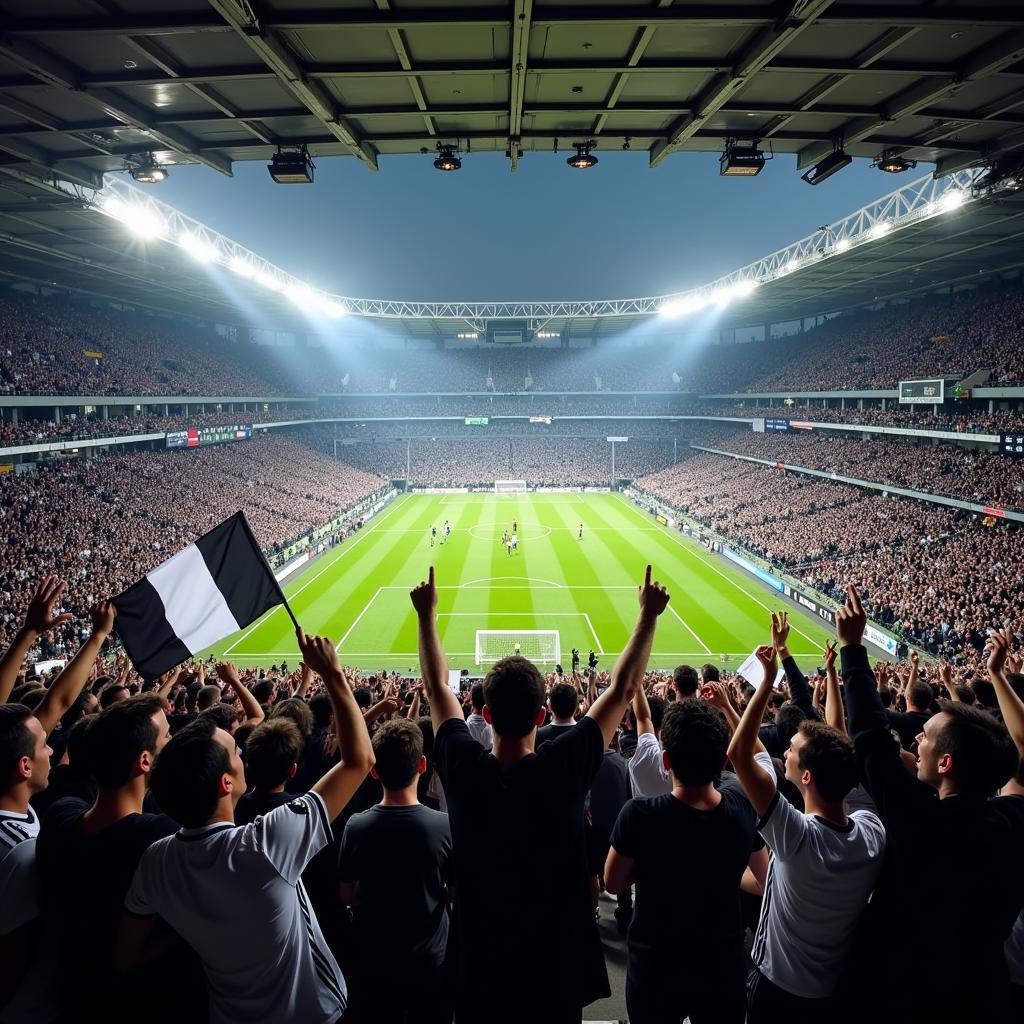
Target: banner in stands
x: 194, y: 437
x: 596, y: 490
x: 880, y: 639
x: 441, y: 490
x: 762, y: 574
x: 811, y: 604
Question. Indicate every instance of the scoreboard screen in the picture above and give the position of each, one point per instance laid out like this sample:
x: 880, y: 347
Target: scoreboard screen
x: 195, y: 437
x: 776, y: 424
x: 922, y: 392
x: 1012, y: 445
x: 476, y: 421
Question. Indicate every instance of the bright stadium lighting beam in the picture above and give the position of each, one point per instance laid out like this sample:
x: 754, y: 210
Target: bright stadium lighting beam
x: 242, y: 267
x: 269, y: 281
x: 842, y: 245
x: 144, y: 222
x: 673, y: 308
x: 880, y: 229
x: 792, y: 265
x: 952, y: 199
x: 198, y: 248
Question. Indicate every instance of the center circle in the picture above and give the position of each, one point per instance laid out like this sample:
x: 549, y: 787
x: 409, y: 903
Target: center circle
x: 527, y: 531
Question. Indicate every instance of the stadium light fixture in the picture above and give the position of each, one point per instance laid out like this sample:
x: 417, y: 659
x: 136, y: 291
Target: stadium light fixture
x: 880, y: 229
x: 892, y: 163
x: 951, y: 199
x: 198, y: 248
x: 739, y: 161
x: 292, y: 165
x: 792, y: 265
x: 269, y: 281
x: 548, y: 334
x: 583, y: 159
x: 146, y: 170
x: 673, y: 308
x: 242, y: 267
x: 842, y: 245
x: 447, y: 158
x: 835, y: 161
x: 144, y: 222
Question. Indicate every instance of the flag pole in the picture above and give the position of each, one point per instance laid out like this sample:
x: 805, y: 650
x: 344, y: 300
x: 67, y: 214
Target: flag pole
x: 270, y: 572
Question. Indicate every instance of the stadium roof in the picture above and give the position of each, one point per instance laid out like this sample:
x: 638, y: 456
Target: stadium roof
x: 87, y: 84
x: 930, y: 234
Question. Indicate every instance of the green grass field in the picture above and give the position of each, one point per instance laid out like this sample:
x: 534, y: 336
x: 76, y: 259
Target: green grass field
x: 358, y: 593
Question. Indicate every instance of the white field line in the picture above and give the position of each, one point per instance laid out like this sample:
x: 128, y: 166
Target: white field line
x: 551, y: 583
x: 593, y: 632
x: 688, y: 629
x: 355, y: 621
x: 345, y: 548
x: 491, y: 615
x: 693, y: 550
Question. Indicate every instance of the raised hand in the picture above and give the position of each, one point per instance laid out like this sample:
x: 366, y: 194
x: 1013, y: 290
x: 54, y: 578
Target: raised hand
x: 769, y: 661
x: 851, y: 619
x: 716, y: 695
x: 40, y: 617
x: 828, y: 656
x: 653, y: 597
x: 227, y: 673
x: 915, y: 657
x: 102, y: 615
x: 319, y: 654
x: 424, y: 596
x: 998, y: 647
x: 780, y: 629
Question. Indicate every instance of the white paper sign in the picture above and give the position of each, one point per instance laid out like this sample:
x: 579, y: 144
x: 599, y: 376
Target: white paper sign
x: 454, y: 680
x: 752, y: 671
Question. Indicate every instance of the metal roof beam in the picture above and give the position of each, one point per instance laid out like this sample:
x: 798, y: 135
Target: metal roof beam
x: 521, y: 25
x: 765, y: 46
x: 1007, y: 144
x: 289, y: 72
x: 401, y: 49
x: 987, y: 60
x: 57, y: 72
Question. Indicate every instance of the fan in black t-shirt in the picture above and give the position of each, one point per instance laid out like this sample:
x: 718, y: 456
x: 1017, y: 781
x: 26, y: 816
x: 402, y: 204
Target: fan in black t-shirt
x: 517, y: 828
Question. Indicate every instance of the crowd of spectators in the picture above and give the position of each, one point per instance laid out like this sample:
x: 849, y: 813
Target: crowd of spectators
x: 937, y: 576
x: 45, y: 347
x: 964, y: 421
x: 308, y: 844
x: 947, y: 469
x: 103, y: 524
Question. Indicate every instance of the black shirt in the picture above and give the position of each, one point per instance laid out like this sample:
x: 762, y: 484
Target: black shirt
x: 687, y: 865
x: 401, y: 858
x: 252, y: 805
x: 908, y: 724
x: 520, y: 873
x: 84, y: 881
x: 547, y: 733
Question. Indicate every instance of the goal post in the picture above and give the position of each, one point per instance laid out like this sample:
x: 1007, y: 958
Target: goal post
x: 542, y: 646
x: 509, y: 486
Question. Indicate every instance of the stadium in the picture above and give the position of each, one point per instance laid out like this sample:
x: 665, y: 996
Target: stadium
x: 381, y: 645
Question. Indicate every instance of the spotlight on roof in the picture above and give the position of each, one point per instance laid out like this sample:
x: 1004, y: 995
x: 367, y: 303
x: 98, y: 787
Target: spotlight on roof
x: 842, y: 245
x: 741, y: 161
x: 447, y: 158
x: 144, y: 222
x: 951, y: 199
x: 147, y: 170
x: 673, y: 308
x: 892, y: 163
x: 292, y: 166
x: 198, y: 247
x: 583, y: 158
x: 880, y: 228
x: 835, y: 161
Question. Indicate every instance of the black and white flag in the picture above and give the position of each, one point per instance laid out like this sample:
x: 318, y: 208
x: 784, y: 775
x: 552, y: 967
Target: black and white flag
x: 205, y: 592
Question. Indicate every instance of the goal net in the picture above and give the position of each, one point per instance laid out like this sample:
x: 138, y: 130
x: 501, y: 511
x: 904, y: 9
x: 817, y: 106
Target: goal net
x: 542, y: 646
x: 509, y: 486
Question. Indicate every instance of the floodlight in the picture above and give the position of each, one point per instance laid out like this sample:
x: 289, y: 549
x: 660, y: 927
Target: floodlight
x: 292, y: 166
x: 583, y: 159
x: 892, y: 163
x: 198, y: 247
x: 145, y: 169
x: 842, y: 245
x: 741, y: 161
x: 951, y: 199
x: 144, y: 222
x: 270, y: 281
x: 447, y: 158
x: 672, y: 308
x: 793, y: 264
x: 835, y: 161
x: 242, y: 267
x: 880, y: 228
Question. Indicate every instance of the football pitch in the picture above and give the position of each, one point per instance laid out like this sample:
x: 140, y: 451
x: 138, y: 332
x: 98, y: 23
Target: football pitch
x: 358, y: 593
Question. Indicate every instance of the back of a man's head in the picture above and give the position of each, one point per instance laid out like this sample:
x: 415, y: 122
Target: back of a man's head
x: 787, y: 721
x: 208, y: 696
x: 828, y: 755
x: 709, y: 673
x: 686, y: 680
x: 186, y: 777
x: 120, y: 735
x: 78, y: 745
x: 16, y: 741
x: 564, y: 700
x: 514, y: 694
x: 919, y: 696
x: 263, y: 690
x: 657, y: 706
x: 271, y: 753
x: 321, y: 710
x: 985, y: 693
x: 225, y: 715
x: 476, y: 696
x: 298, y: 711
x: 111, y: 695
x: 695, y: 736
x: 983, y: 754
x: 398, y: 748
x: 363, y: 696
